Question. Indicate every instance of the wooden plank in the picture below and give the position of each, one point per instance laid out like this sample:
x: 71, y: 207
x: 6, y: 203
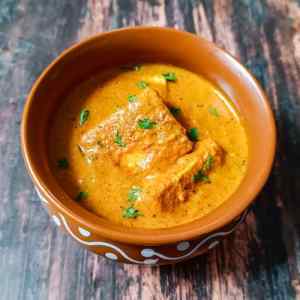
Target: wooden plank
x: 260, y: 261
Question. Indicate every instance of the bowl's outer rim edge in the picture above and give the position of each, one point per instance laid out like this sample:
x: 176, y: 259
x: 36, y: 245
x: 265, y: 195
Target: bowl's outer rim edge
x: 151, y: 237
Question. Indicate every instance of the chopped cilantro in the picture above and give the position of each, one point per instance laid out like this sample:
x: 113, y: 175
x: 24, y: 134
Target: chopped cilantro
x: 63, y: 163
x: 208, y: 163
x: 170, y: 76
x: 200, y: 176
x: 81, y: 195
x: 175, y: 111
x: 193, y: 134
x: 142, y: 84
x: 84, y: 115
x: 146, y: 123
x: 132, y: 98
x: 131, y: 213
x: 134, y: 193
x: 214, y: 111
x: 118, y: 140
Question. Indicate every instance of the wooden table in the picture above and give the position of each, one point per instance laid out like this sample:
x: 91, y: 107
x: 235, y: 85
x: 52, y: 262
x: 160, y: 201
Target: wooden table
x: 260, y: 261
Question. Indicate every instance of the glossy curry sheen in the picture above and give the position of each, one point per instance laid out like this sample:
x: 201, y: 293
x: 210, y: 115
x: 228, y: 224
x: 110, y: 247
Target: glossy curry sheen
x: 102, y: 186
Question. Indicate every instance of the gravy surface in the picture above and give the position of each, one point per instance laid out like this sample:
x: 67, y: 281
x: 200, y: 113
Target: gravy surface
x: 104, y: 189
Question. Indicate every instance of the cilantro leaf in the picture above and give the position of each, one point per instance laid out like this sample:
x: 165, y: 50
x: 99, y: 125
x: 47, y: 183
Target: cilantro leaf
x: 193, y: 134
x: 131, y: 213
x: 208, y: 163
x: 134, y: 193
x: 118, y: 139
x: 84, y: 115
x: 146, y: 123
x: 63, y: 163
x: 132, y: 98
x: 81, y: 195
x: 200, y: 177
x: 214, y: 111
x: 170, y: 76
x: 142, y: 84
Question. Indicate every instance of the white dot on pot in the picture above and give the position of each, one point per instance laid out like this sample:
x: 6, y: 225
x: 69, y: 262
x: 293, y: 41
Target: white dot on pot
x: 111, y: 256
x: 56, y: 220
x: 147, y: 252
x: 84, y: 232
x: 183, y: 246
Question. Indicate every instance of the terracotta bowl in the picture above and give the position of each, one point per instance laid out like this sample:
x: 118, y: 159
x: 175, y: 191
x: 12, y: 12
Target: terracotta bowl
x: 142, y: 44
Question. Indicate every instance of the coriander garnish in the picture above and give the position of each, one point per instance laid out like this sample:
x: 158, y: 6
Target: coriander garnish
x: 193, y: 134
x: 200, y: 176
x: 118, y: 139
x: 132, y: 98
x: 214, y: 111
x: 170, y: 76
x: 134, y: 193
x: 208, y: 163
x: 84, y: 115
x: 142, y: 84
x: 81, y: 195
x: 175, y: 111
x: 146, y: 123
x: 63, y: 163
x: 131, y: 213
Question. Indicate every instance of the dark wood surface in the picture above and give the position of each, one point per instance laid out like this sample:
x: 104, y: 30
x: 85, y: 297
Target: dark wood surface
x: 260, y: 261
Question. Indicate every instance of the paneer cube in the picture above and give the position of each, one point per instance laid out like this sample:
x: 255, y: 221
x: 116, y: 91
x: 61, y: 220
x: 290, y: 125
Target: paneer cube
x: 173, y: 186
x: 141, y: 137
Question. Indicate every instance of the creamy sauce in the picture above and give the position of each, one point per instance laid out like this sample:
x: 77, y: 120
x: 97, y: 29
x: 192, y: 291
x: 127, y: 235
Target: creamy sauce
x: 202, y: 106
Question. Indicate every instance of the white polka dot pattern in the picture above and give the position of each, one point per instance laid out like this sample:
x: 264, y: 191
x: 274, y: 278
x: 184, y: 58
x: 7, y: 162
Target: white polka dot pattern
x: 183, y: 246
x: 151, y: 256
x: 84, y: 232
x: 147, y: 252
x: 111, y: 256
x: 56, y: 220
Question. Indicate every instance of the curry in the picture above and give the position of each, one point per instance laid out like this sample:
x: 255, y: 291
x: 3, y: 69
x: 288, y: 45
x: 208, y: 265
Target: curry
x: 148, y: 146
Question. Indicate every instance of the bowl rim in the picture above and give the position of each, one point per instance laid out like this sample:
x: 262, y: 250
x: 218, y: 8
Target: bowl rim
x: 124, y: 234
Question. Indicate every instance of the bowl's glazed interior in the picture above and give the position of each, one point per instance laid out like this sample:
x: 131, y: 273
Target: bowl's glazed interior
x: 149, y: 45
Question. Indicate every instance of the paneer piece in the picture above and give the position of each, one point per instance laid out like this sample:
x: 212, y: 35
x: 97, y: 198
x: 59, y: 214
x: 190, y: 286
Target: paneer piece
x: 140, y: 137
x: 173, y: 186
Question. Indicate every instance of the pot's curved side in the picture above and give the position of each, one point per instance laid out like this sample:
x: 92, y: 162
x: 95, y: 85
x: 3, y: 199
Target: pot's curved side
x: 138, y: 254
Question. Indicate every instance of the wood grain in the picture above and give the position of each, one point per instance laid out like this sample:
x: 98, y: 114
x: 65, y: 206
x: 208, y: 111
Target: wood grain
x: 260, y: 261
